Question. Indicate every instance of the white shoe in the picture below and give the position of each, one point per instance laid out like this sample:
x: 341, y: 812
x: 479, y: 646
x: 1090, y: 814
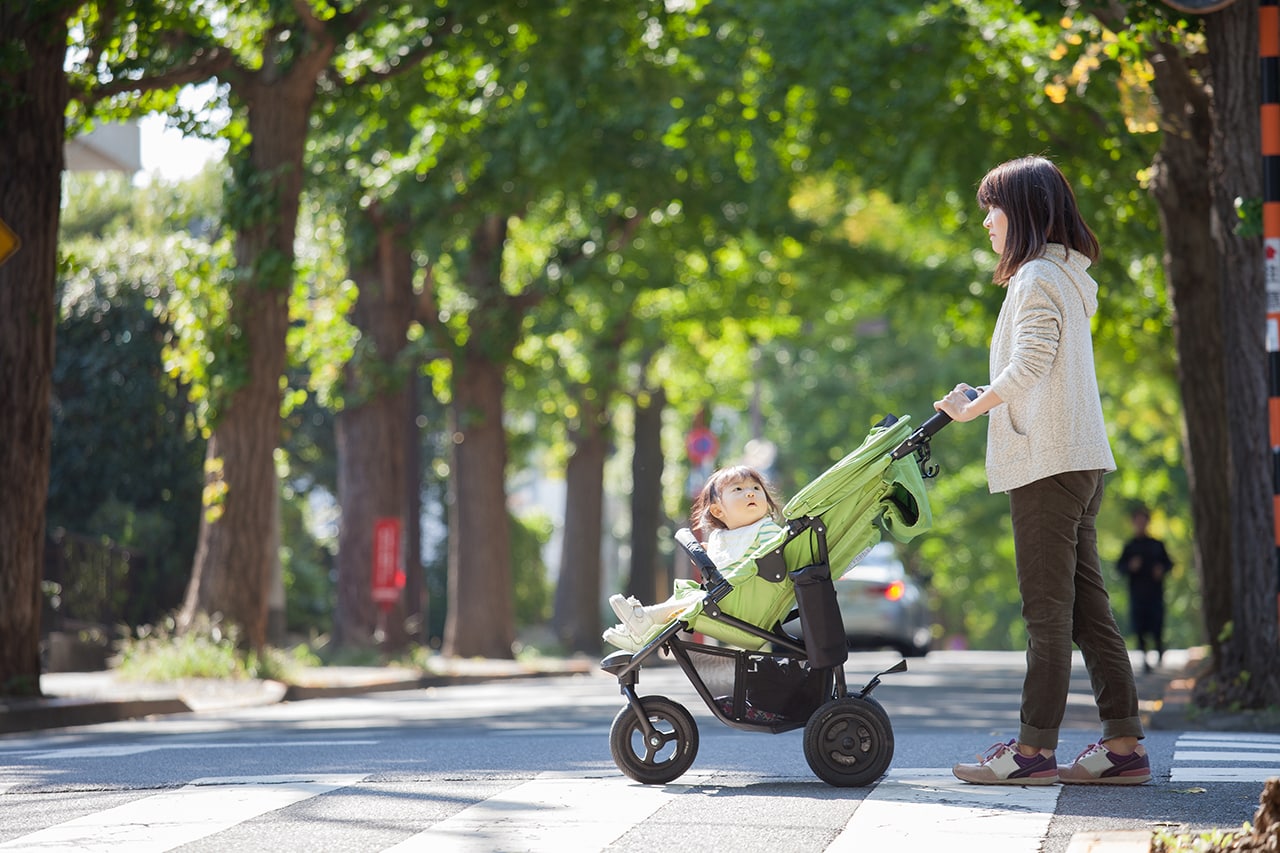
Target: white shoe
x: 633, y: 614
x: 622, y: 638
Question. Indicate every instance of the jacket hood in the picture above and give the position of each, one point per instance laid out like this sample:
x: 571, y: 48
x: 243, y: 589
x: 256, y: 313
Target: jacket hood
x: 1076, y: 266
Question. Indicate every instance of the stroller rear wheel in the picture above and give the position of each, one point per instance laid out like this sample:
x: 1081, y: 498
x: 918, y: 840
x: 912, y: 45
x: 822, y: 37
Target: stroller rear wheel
x: 665, y: 756
x: 848, y: 742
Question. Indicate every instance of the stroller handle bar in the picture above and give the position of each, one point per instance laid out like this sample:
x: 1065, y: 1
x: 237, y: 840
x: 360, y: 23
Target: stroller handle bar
x: 710, y: 574
x: 919, y: 440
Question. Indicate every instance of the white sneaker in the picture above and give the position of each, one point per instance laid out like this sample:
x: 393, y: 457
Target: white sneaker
x: 619, y: 636
x: 633, y: 614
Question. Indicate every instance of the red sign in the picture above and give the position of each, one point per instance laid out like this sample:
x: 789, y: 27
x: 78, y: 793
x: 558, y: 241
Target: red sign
x: 388, y: 576
x: 702, y: 445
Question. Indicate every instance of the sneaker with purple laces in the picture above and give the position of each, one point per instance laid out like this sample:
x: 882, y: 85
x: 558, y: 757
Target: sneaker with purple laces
x: 1097, y: 765
x: 1004, y: 765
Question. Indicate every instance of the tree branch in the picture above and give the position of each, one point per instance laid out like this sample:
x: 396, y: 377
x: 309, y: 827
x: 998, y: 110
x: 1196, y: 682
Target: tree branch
x: 216, y: 62
x: 429, y: 44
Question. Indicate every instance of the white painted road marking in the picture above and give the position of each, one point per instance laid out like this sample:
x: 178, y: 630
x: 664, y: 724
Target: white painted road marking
x: 589, y: 814
x: 1234, y: 757
x: 930, y: 809
x: 117, y: 750
x: 173, y: 818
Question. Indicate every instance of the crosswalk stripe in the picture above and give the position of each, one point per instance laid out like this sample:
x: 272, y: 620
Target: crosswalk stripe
x: 173, y: 818
x: 590, y: 813
x: 1221, y: 755
x: 1253, y: 738
x: 1225, y: 757
x: 1223, y: 774
x: 929, y: 809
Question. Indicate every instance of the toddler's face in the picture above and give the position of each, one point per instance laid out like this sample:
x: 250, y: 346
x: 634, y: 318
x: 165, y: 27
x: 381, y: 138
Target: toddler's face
x: 740, y: 502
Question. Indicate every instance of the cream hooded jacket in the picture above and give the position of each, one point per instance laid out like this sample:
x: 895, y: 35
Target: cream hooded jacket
x: 1050, y: 420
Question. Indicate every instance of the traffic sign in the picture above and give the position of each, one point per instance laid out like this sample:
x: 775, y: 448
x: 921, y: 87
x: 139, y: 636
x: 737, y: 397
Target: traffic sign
x: 701, y: 445
x: 388, y: 576
x: 9, y: 242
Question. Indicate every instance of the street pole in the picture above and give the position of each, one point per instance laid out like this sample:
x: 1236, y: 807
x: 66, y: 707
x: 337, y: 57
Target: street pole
x: 1269, y: 53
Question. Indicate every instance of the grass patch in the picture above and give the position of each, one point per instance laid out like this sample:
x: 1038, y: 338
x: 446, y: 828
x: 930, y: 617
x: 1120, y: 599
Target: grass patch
x: 1204, y: 842
x: 207, y: 650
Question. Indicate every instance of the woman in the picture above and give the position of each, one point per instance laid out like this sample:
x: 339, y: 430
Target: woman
x: 1047, y: 448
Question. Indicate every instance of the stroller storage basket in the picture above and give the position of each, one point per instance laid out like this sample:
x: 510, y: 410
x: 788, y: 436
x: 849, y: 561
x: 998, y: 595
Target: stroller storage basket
x: 754, y: 687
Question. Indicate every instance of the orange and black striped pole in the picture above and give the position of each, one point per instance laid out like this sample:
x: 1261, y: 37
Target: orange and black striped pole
x: 1269, y: 53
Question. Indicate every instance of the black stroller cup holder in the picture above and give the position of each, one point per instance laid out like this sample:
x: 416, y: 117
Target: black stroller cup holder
x: 848, y: 740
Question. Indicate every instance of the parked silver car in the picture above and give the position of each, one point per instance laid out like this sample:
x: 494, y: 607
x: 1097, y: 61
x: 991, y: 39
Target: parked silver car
x: 884, y: 606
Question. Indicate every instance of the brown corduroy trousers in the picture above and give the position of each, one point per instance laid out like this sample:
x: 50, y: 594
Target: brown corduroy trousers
x: 1064, y: 600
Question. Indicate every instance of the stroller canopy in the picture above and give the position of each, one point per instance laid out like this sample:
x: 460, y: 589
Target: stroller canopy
x: 864, y: 492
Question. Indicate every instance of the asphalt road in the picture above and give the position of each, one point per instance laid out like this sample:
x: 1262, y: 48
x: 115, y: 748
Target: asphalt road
x: 525, y: 765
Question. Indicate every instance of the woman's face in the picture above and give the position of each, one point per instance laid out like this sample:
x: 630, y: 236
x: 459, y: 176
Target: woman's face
x: 997, y: 225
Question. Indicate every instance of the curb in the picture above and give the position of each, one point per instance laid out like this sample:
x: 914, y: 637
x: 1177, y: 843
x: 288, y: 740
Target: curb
x: 90, y: 704
x: 30, y: 715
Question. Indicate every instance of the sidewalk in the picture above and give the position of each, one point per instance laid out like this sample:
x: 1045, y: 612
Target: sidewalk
x: 89, y: 698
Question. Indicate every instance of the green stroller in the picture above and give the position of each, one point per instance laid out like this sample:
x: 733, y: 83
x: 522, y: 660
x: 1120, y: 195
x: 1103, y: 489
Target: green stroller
x: 773, y: 681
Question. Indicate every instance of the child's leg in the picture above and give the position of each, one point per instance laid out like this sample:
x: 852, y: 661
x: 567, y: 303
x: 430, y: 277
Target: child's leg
x: 640, y: 619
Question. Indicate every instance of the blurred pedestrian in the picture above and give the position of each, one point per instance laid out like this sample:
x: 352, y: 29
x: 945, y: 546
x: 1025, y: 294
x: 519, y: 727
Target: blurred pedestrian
x: 1145, y: 563
x: 1047, y: 447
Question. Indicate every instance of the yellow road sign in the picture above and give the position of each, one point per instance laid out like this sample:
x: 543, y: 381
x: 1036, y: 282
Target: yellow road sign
x: 9, y: 242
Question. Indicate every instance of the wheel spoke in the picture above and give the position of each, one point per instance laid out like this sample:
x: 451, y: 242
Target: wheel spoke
x: 665, y: 752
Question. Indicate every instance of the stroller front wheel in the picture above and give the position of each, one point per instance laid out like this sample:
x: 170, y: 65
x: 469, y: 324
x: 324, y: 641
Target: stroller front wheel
x: 662, y: 757
x: 848, y: 742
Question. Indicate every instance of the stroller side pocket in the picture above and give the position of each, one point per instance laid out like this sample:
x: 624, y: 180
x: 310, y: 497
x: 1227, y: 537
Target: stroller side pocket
x: 820, y: 621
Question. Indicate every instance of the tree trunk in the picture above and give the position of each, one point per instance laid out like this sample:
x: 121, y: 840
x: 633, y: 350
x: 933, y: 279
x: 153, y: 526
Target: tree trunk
x: 1191, y: 272
x: 1249, y: 665
x: 645, y: 581
x: 576, y: 616
x: 233, y: 554
x: 416, y: 598
x: 481, y: 613
x: 373, y: 437
x: 32, y: 124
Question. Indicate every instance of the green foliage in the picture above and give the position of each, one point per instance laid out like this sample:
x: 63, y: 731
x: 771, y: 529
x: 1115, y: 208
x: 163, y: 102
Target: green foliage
x: 773, y: 221
x: 126, y: 461
x: 1209, y: 841
x: 307, y: 561
x: 206, y: 650
x: 531, y: 586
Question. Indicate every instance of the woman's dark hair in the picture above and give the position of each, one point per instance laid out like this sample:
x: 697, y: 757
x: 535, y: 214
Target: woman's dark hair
x: 701, y: 516
x: 1041, y: 209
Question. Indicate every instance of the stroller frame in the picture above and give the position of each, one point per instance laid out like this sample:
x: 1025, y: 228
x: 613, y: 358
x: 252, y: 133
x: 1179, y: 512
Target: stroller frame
x: 848, y: 738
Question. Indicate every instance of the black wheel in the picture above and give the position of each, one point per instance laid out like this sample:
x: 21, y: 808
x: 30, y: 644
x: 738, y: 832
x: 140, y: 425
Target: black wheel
x: 665, y: 756
x: 848, y: 742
